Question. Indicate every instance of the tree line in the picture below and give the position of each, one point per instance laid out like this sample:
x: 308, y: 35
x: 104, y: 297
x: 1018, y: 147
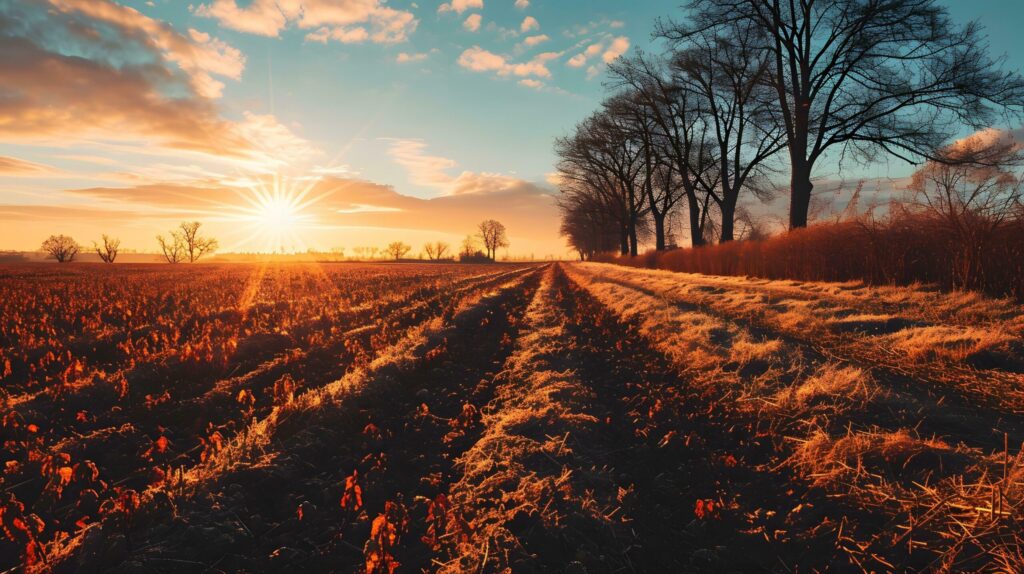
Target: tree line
x: 186, y: 244
x: 745, y: 91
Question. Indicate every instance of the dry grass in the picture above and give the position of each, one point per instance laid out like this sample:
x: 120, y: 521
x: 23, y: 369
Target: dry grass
x: 949, y: 343
x: 837, y: 462
x: 944, y: 501
x: 905, y: 250
x: 523, y: 469
x: 831, y: 384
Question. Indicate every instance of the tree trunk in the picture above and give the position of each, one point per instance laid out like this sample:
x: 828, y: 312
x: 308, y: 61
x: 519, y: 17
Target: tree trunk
x: 800, y: 185
x: 728, y: 208
x: 659, y: 230
x: 632, y: 238
x: 624, y: 242
x: 696, y: 233
x: 799, y: 198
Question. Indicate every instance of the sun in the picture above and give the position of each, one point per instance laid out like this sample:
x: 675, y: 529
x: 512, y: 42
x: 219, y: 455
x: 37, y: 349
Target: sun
x: 278, y: 214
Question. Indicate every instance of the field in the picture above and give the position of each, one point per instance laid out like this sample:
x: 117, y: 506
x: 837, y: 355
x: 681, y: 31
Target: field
x: 503, y: 418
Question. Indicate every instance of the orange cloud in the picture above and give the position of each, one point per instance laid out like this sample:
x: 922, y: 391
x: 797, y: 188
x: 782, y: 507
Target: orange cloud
x: 13, y: 165
x: 477, y: 59
x: 348, y: 21
x: 52, y: 92
x: 460, y: 6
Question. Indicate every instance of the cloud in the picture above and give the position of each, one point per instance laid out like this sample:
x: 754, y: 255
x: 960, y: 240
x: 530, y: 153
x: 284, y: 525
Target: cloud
x: 477, y: 59
x: 100, y: 72
x: 405, y: 58
x: 618, y: 47
x: 347, y: 21
x: 460, y: 6
x: 529, y: 23
x: 532, y: 41
x: 528, y: 210
x: 109, y: 70
x: 275, y: 145
x: 199, y: 55
x: 433, y: 171
x: 580, y: 60
x: 473, y: 22
x: 531, y: 83
x: 356, y: 35
x: 522, y: 4
x: 609, y: 50
x: 20, y: 213
x: 424, y: 169
x: 15, y: 166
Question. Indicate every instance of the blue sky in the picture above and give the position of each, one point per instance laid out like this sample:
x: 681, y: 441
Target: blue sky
x: 442, y: 113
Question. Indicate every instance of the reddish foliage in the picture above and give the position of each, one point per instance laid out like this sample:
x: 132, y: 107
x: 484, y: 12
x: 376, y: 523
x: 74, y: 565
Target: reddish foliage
x: 707, y: 509
x: 385, y: 533
x: 443, y: 520
x: 352, y: 498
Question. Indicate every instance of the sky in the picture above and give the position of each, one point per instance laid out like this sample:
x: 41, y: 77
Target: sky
x: 287, y: 125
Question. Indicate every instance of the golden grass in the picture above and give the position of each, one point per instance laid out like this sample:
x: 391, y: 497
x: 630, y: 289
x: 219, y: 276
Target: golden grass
x: 523, y: 467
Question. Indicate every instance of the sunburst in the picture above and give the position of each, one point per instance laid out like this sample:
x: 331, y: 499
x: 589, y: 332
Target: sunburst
x: 278, y: 213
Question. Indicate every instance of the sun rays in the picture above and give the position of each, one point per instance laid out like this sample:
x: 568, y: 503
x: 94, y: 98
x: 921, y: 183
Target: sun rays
x: 277, y: 213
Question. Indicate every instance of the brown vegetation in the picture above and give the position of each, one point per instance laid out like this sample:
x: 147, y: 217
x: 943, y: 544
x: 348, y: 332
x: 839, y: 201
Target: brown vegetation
x: 454, y: 418
x: 906, y: 249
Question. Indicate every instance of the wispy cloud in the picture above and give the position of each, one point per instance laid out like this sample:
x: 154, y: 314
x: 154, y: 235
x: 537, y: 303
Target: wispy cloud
x: 424, y: 169
x: 20, y: 167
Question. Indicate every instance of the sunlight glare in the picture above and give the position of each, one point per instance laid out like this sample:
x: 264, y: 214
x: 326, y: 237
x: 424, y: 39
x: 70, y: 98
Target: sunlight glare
x: 278, y: 213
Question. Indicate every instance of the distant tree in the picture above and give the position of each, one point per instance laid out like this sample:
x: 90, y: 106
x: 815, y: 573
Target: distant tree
x: 185, y: 243
x: 173, y: 248
x: 436, y: 251
x: 61, y: 247
x: 468, y: 246
x: 373, y: 252
x: 493, y: 235
x: 195, y: 245
x: 107, y: 251
x: 398, y: 249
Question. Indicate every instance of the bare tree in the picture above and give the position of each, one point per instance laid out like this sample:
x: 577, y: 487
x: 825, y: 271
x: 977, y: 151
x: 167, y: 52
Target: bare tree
x: 586, y: 225
x: 173, y: 248
x: 437, y: 250
x: 726, y: 70
x: 107, y: 251
x: 682, y: 135
x: 61, y: 247
x: 196, y: 246
x: 493, y: 235
x: 604, y: 158
x: 468, y: 246
x: 398, y: 249
x: 865, y: 76
x: 970, y: 202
